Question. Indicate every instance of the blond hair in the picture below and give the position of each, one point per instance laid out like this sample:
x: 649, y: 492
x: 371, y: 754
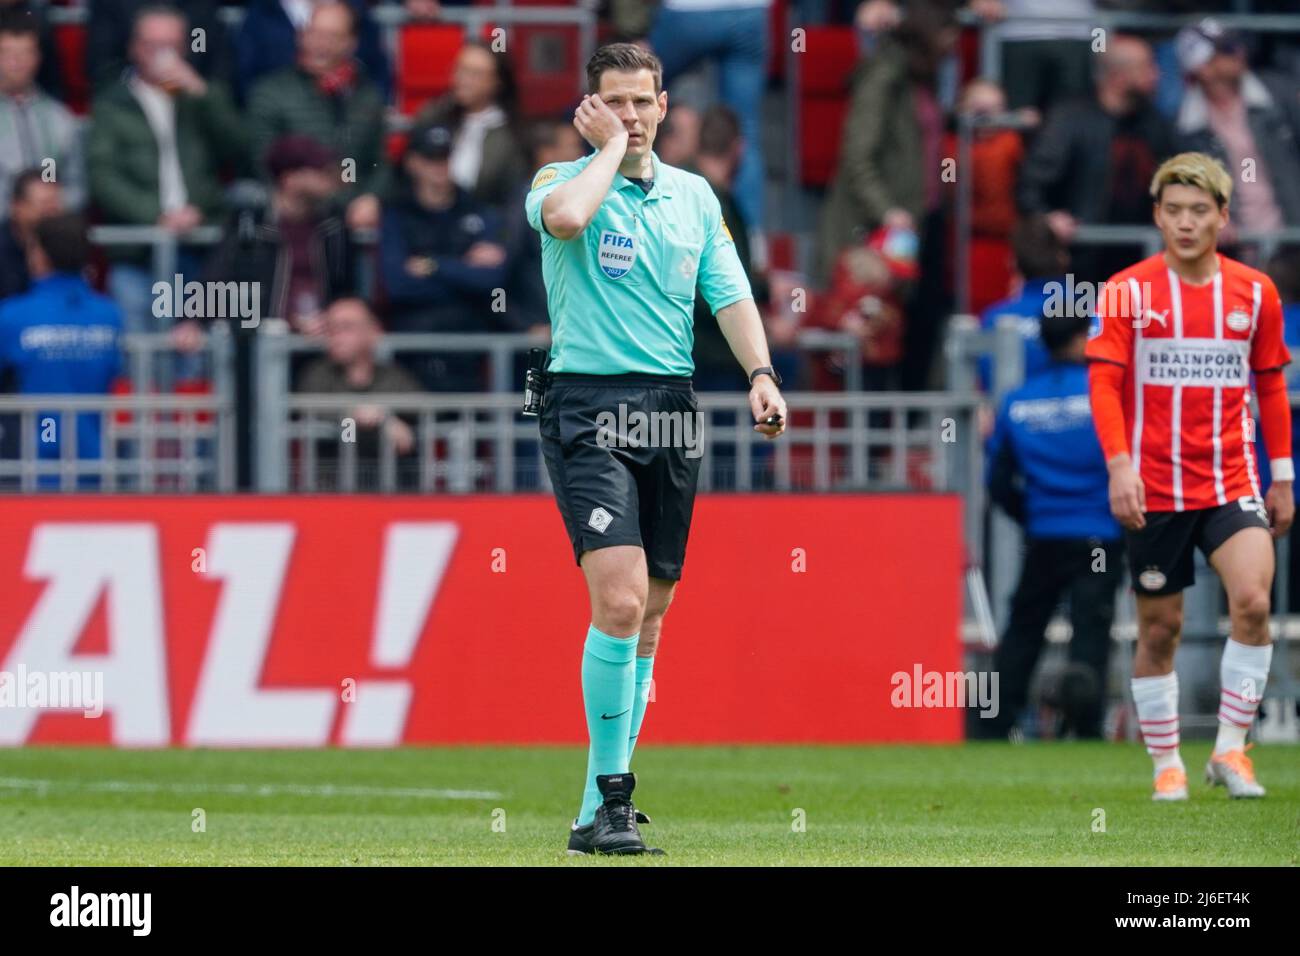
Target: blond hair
x: 1193, y: 169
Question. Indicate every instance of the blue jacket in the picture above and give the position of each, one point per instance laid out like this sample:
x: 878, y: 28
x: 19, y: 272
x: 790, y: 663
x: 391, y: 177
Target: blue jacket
x: 62, y: 338
x: 1029, y: 305
x: 1045, y: 466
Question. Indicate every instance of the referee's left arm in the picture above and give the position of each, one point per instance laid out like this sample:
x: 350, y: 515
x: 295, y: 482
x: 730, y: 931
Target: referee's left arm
x: 743, y: 328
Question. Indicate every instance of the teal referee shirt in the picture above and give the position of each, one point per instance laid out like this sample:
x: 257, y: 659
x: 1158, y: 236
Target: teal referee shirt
x: 622, y: 292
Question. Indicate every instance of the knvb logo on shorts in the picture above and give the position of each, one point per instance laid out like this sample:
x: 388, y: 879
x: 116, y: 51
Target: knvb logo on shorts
x: 617, y: 253
x: 632, y: 428
x: 600, y: 519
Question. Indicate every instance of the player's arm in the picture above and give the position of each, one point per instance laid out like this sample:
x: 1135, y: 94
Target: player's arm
x: 743, y: 328
x: 1275, y: 425
x: 569, y: 207
x: 1109, y: 351
x: 1269, y: 355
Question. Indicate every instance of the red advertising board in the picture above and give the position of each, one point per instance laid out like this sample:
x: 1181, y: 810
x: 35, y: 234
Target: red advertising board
x: 376, y: 621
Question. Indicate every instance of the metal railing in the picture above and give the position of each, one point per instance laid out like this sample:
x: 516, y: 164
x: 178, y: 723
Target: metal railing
x: 992, y: 34
x: 468, y: 443
x: 164, y: 243
x: 147, y: 442
x: 480, y: 442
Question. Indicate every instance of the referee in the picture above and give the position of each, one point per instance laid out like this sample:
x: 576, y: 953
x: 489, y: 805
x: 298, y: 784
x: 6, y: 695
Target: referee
x: 626, y: 239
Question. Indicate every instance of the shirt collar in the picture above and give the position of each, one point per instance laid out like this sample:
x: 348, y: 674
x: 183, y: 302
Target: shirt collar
x: 56, y: 280
x: 662, y: 188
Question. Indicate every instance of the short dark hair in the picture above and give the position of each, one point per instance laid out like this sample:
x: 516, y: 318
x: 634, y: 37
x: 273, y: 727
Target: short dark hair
x: 19, y: 23
x: 1039, y: 254
x: 23, y: 181
x: 719, y: 131
x: 1058, y: 331
x: 623, y: 58
x: 63, y: 239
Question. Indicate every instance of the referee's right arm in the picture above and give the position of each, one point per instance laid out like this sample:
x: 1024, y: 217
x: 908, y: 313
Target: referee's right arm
x: 570, y: 206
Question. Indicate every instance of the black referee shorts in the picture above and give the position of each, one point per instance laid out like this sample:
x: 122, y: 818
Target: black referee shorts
x: 1162, y: 554
x: 623, y: 453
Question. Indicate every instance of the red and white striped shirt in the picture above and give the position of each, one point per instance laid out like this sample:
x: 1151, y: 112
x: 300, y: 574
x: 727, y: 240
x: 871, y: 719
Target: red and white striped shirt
x: 1188, y: 351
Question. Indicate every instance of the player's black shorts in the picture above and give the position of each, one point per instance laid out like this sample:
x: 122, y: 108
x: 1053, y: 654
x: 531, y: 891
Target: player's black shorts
x: 623, y: 453
x: 1161, y: 555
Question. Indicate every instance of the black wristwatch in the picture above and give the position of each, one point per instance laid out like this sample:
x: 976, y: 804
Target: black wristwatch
x: 765, y: 370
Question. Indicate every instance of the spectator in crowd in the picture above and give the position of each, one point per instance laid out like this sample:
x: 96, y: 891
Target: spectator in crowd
x: 871, y: 282
x: 1230, y: 113
x: 158, y: 139
x: 1045, y: 44
x: 351, y: 367
x: 50, y: 77
x: 1046, y: 471
x: 36, y: 130
x: 1042, y: 262
x: 294, y: 247
x: 678, y: 142
x: 1094, y: 158
x: 487, y: 157
x: 552, y: 141
x: 298, y: 253
x: 111, y: 30
x: 326, y: 97
x: 442, y: 256
x: 721, y: 151
x: 995, y: 157
x: 890, y: 170
x: 61, y: 337
x: 31, y: 199
x: 733, y: 34
x: 268, y: 41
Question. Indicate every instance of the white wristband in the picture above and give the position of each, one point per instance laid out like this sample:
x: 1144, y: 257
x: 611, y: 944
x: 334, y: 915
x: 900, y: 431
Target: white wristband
x: 1283, y: 469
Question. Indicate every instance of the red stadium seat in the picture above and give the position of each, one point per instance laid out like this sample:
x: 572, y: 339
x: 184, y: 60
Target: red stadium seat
x: 779, y: 42
x: 824, y: 70
x: 70, y: 38
x: 426, y: 53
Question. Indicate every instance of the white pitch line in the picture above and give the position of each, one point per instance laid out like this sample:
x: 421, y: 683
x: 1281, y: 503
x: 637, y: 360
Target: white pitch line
x: 247, y: 789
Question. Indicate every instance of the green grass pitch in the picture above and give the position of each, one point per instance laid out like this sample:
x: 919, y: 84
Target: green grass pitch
x: 891, y: 805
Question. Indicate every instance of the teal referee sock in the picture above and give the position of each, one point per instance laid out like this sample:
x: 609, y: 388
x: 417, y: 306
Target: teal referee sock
x: 645, y: 668
x: 608, y: 689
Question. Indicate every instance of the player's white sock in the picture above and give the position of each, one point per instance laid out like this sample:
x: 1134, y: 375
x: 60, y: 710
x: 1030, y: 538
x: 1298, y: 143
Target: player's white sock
x: 1156, y: 699
x: 1243, y: 672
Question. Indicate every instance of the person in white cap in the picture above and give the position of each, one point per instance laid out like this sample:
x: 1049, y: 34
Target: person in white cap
x: 1232, y: 114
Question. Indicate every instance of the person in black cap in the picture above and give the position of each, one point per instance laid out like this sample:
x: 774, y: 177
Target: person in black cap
x: 442, y: 260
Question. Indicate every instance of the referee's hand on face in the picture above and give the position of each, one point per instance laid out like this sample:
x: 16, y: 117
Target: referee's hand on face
x: 765, y: 401
x: 597, y: 123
